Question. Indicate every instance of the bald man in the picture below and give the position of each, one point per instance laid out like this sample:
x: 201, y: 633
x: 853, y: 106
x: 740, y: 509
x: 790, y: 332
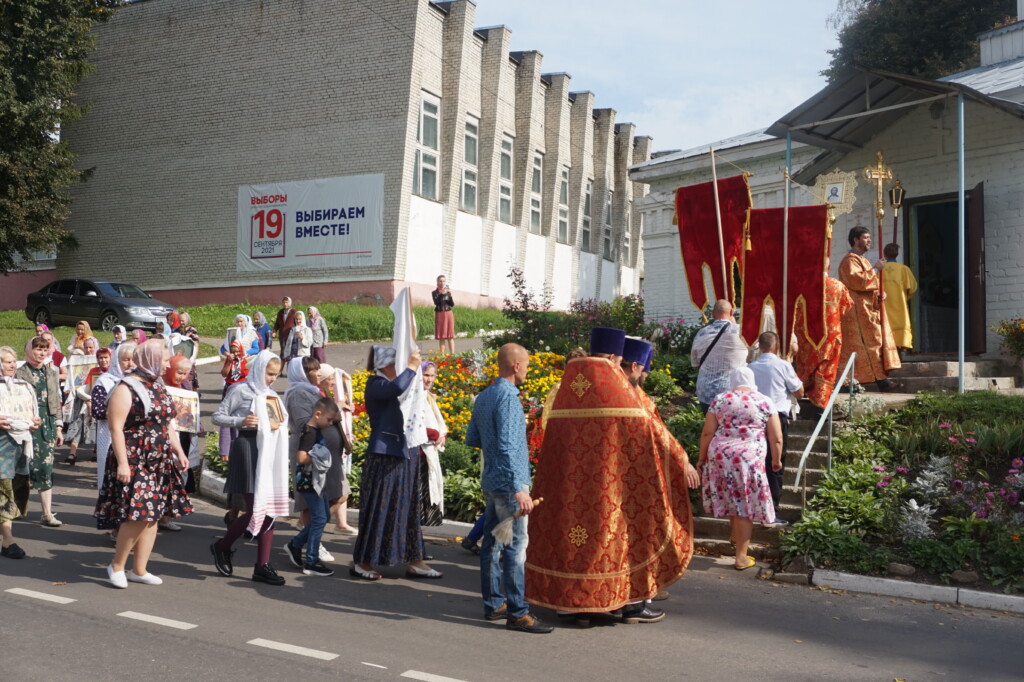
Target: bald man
x: 717, y: 350
x: 498, y: 427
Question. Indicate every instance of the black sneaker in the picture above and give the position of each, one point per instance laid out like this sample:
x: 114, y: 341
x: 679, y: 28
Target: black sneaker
x: 528, y: 623
x: 641, y: 613
x: 222, y: 558
x: 13, y: 551
x: 470, y: 546
x: 267, y: 574
x: 317, y: 568
x: 294, y: 554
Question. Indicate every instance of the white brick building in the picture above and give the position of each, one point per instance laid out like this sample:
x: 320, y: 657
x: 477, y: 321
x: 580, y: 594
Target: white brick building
x: 487, y: 160
x: 920, y: 146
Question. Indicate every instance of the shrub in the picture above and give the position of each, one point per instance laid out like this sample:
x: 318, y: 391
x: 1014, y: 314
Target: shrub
x: 661, y: 386
x: 1012, y: 332
x: 459, y: 457
x: 212, y: 454
x: 942, y: 557
x: 463, y: 498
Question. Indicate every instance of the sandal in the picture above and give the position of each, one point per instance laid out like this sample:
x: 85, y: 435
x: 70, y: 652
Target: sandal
x: 357, y: 572
x: 71, y: 460
x: 751, y: 562
x: 417, y: 573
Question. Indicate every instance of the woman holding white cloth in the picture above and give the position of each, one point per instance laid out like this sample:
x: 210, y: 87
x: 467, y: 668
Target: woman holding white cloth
x: 431, y: 483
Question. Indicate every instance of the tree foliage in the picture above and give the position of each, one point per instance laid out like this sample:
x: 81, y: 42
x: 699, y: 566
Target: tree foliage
x: 924, y: 38
x: 43, y: 50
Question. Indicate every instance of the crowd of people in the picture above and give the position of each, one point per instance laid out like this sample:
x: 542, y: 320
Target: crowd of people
x: 617, y: 528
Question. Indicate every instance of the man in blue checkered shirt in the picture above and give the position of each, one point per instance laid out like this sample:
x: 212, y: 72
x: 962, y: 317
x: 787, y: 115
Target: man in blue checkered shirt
x: 498, y: 427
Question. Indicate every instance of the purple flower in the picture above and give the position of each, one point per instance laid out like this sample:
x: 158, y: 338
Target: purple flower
x: 1013, y: 471
x: 958, y: 484
x: 879, y: 468
x: 945, y: 425
x: 884, y: 483
x: 952, y: 439
x: 1017, y: 463
x: 1013, y: 499
x: 902, y: 470
x: 970, y: 440
x: 982, y: 513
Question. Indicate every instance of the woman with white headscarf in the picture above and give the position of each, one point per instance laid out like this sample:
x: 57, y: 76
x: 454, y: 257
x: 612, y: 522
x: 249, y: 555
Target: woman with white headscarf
x: 142, y: 482
x: 300, y: 338
x: 389, y: 503
x: 15, y: 453
x: 321, y: 335
x: 247, y: 336
x: 257, y: 466
x: 122, y: 364
x: 741, y: 423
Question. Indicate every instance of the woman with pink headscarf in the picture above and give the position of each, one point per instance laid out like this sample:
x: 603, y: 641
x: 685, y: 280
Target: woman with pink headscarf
x: 142, y: 482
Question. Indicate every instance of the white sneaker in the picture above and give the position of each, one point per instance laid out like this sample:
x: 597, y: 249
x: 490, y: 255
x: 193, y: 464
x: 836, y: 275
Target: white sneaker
x: 117, y: 578
x: 324, y: 554
x: 147, y: 579
x: 171, y: 526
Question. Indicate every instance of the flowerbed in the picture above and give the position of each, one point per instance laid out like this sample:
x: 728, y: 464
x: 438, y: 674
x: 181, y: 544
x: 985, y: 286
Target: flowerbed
x: 922, y: 487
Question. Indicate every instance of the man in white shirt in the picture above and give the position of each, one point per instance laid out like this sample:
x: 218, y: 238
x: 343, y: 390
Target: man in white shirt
x: 717, y: 350
x: 777, y: 380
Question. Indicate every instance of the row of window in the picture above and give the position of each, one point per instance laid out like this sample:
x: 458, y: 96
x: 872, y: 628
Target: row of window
x: 425, y: 182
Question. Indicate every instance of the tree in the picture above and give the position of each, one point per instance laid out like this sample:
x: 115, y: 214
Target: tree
x: 43, y: 50
x: 924, y: 38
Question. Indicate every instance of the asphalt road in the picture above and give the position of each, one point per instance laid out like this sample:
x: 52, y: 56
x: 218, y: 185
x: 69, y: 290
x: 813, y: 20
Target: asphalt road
x: 722, y: 624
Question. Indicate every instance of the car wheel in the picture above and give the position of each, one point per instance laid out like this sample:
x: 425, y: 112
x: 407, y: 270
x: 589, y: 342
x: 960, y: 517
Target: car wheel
x: 43, y: 317
x: 108, y: 321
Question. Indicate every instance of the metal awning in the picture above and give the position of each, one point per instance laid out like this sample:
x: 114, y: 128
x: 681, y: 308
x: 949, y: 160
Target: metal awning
x: 857, y: 106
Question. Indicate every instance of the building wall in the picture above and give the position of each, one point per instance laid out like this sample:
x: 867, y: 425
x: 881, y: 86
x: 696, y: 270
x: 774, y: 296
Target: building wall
x: 192, y: 99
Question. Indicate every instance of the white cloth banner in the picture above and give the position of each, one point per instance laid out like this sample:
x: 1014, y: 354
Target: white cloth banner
x: 414, y: 400
x: 311, y: 224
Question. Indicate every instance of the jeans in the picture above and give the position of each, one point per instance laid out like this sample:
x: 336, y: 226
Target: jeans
x: 503, y: 564
x: 319, y: 510
x: 477, y: 531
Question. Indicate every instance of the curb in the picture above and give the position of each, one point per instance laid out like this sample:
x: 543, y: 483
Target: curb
x: 942, y: 594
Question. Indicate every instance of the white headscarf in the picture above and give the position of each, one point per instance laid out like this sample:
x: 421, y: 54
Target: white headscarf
x: 270, y: 488
x: 742, y: 376
x: 297, y: 379
x: 257, y: 379
x: 383, y: 356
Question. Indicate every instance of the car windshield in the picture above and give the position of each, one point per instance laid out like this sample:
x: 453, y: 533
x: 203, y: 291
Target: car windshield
x: 122, y: 290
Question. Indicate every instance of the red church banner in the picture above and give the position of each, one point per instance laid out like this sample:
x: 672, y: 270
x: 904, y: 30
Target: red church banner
x: 698, y: 234
x: 763, y: 268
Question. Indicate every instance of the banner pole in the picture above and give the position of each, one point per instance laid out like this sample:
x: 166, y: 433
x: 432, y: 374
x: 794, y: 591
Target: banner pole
x: 783, y: 327
x: 718, y: 219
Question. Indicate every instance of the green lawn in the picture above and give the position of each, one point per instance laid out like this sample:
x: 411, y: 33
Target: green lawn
x: 346, y: 322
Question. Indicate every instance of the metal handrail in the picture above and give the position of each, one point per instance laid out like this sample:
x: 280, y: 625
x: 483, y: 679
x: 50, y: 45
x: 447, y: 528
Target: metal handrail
x: 825, y: 414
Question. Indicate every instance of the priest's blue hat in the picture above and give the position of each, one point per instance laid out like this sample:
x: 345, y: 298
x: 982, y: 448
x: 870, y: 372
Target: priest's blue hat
x: 607, y: 340
x: 635, y: 350
x: 650, y: 358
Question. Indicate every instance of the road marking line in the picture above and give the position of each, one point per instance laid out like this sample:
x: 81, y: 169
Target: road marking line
x: 40, y: 595
x: 157, y: 620
x: 292, y: 649
x: 428, y: 677
x: 374, y: 665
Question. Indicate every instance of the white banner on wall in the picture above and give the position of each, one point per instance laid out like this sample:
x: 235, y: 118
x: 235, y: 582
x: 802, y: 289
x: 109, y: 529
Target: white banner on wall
x: 311, y: 224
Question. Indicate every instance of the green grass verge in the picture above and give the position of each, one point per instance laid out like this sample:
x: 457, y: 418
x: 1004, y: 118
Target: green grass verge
x: 348, y: 321
x: 16, y: 330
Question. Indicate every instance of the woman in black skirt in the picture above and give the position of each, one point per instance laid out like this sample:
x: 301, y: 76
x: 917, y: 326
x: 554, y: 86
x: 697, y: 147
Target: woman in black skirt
x: 238, y: 410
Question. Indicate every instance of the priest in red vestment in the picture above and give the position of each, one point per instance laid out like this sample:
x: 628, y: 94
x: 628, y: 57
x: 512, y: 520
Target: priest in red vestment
x: 865, y: 330
x: 818, y: 367
x: 616, y: 525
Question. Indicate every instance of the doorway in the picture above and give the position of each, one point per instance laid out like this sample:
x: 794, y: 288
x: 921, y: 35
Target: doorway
x: 931, y: 238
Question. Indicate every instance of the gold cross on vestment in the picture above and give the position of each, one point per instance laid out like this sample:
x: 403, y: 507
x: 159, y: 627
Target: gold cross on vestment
x: 878, y: 174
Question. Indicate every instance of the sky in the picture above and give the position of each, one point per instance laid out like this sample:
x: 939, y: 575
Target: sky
x: 686, y: 72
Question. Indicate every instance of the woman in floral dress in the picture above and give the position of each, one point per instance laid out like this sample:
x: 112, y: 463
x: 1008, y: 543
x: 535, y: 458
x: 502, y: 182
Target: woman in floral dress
x: 732, y: 457
x: 44, y: 379
x: 142, y: 482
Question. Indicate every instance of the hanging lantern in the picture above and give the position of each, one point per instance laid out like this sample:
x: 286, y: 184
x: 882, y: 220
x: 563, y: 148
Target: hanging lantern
x: 896, y: 194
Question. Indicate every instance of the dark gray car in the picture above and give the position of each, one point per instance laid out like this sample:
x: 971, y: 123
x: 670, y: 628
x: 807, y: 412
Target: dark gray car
x: 101, y: 304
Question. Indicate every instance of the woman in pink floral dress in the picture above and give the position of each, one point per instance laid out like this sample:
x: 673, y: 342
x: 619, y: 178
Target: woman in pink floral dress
x: 732, y: 456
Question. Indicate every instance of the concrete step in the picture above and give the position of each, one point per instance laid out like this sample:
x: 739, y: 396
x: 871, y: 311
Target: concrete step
x: 951, y: 368
x: 798, y: 441
x: 759, y: 551
x: 913, y: 384
x: 812, y: 476
x: 793, y: 495
x: 790, y: 511
x: 710, y: 528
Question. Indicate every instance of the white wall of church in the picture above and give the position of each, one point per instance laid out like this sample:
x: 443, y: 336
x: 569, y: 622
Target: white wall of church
x: 608, y: 282
x: 533, y: 263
